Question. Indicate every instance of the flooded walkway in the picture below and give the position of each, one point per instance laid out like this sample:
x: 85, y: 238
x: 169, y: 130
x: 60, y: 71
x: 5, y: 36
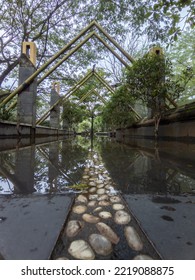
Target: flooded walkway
x: 100, y: 225
x: 71, y: 200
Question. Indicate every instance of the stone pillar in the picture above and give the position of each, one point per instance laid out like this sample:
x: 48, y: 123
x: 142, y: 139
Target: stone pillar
x: 26, y: 106
x: 55, y: 113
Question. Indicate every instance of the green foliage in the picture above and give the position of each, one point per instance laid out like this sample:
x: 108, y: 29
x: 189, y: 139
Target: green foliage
x: 52, y: 25
x: 80, y: 187
x: 72, y: 114
x: 117, y: 112
x: 84, y: 126
x: 182, y: 55
x: 151, y: 80
x: 163, y: 20
x: 6, y: 115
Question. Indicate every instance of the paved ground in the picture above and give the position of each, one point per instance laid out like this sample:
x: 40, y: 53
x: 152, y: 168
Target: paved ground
x: 30, y: 226
x: 172, y: 229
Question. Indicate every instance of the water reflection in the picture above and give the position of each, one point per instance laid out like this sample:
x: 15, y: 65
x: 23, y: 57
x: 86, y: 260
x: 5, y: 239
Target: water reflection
x: 55, y: 166
x: 141, y: 171
x: 46, y: 168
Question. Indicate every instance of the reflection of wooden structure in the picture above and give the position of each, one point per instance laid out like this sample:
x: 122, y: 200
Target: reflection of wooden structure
x: 22, y: 174
x: 56, y: 169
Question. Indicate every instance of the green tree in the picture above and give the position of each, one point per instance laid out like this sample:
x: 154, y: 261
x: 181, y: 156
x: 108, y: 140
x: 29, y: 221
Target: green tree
x: 163, y: 20
x: 182, y: 55
x: 51, y: 25
x: 151, y: 79
x: 117, y: 113
x: 72, y: 114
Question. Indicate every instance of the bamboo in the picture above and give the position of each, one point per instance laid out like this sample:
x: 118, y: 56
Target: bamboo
x: 90, y: 92
x: 84, y: 97
x: 102, y: 99
x: 11, y: 106
x: 69, y: 93
x: 45, y: 65
x: 65, y: 57
x: 111, y: 50
x: 114, y: 42
x: 135, y: 112
x: 103, y: 82
x: 171, y: 101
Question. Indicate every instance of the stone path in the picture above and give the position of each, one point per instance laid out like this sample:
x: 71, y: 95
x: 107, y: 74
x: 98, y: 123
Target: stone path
x: 99, y: 225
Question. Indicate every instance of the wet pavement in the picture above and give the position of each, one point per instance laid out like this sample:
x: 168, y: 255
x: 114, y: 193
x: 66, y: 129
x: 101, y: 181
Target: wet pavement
x: 173, y: 223
x: 30, y: 226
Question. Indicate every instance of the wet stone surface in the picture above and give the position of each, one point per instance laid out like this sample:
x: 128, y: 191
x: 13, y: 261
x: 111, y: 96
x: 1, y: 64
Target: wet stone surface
x: 99, y: 225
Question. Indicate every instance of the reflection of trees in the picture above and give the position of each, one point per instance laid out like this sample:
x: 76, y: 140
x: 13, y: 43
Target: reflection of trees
x: 142, y: 171
x: 120, y: 162
x: 59, y: 165
x: 18, y: 169
x: 49, y: 167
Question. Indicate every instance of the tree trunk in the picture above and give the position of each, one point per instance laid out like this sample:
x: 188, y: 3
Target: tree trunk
x: 157, y: 119
x: 8, y: 70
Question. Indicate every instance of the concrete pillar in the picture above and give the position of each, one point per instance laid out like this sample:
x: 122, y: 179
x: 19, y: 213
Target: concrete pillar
x: 160, y: 101
x: 65, y: 123
x: 24, y: 171
x: 55, y: 113
x: 53, y: 166
x: 26, y: 106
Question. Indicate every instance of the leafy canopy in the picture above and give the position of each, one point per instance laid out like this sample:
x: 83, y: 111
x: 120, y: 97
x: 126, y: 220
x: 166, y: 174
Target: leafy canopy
x: 117, y: 112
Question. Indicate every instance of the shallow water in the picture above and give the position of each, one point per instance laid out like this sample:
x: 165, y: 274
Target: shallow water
x: 42, y: 169
x: 158, y: 184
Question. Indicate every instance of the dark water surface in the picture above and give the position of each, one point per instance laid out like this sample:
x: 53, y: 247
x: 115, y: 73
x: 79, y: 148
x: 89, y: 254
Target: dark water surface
x: 158, y: 185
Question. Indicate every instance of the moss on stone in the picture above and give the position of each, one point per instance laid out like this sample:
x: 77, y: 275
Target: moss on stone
x: 80, y: 186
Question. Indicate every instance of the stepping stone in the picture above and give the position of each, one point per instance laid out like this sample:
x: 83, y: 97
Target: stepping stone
x: 62, y: 258
x: 121, y: 217
x: 93, y: 196
x: 118, y: 206
x: 81, y: 250
x: 99, y: 186
x: 108, y: 232
x: 101, y: 191
x: 104, y: 203
x: 103, y: 197
x: 74, y: 227
x: 79, y: 209
x: 92, y: 203
x: 115, y: 199
x: 133, y: 239
x: 81, y: 198
x: 105, y: 215
x: 92, y: 184
x: 97, y: 209
x: 98, y: 182
x: 100, y: 244
x: 90, y: 218
x: 92, y: 190
x: 143, y: 257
